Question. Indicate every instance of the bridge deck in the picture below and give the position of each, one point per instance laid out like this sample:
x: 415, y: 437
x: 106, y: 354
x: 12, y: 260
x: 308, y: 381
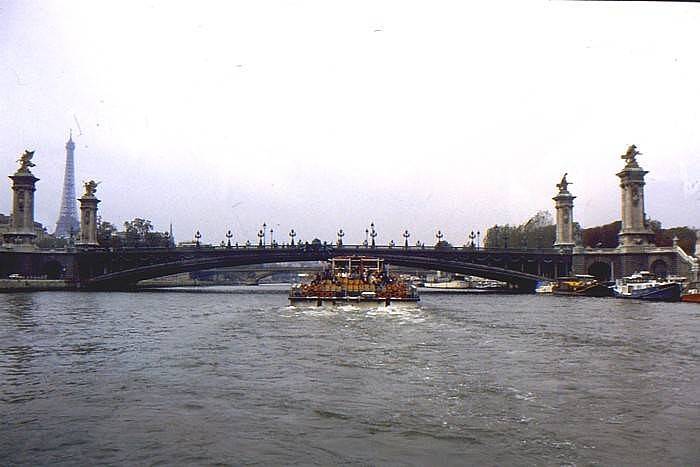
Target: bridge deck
x: 520, y: 267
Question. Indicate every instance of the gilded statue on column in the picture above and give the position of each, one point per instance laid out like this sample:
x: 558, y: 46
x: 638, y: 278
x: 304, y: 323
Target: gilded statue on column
x: 90, y: 189
x: 631, y: 155
x: 25, y: 161
x: 564, y: 184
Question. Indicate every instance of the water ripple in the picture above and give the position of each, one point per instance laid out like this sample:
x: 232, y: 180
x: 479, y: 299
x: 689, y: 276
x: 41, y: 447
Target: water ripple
x: 220, y: 378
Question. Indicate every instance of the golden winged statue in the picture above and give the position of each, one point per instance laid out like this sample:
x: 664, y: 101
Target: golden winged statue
x: 25, y: 161
x: 91, y: 188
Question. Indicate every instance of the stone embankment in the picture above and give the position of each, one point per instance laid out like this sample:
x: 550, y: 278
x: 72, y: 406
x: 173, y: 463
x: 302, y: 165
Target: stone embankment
x: 28, y: 285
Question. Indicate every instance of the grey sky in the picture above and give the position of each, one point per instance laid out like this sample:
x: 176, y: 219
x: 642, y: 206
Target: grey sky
x: 323, y: 114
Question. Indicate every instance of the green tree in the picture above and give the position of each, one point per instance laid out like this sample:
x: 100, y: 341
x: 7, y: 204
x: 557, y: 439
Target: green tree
x: 136, y: 232
x: 686, y: 237
x: 157, y: 239
x: 606, y: 236
x: 602, y: 236
x: 537, y: 232
x: 107, y: 234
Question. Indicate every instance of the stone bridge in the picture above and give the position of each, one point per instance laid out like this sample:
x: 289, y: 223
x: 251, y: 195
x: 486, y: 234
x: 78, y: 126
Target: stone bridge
x: 118, y: 269
x: 88, y: 265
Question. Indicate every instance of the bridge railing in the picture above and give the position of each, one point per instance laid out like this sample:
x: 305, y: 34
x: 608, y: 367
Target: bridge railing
x: 369, y: 248
x: 341, y: 249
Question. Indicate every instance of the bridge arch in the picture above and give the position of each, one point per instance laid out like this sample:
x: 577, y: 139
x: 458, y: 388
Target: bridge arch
x: 131, y: 269
x: 252, y: 275
x: 53, y: 269
x: 601, y: 270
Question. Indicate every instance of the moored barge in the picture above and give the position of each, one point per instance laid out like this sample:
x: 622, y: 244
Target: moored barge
x: 643, y: 285
x: 582, y: 285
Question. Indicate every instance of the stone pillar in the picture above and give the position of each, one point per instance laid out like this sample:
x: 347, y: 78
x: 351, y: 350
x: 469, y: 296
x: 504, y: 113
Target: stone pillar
x: 564, y: 204
x: 88, y: 216
x: 21, y: 230
x: 634, y: 232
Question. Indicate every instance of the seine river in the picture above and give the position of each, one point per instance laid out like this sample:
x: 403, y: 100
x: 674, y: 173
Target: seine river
x: 236, y: 376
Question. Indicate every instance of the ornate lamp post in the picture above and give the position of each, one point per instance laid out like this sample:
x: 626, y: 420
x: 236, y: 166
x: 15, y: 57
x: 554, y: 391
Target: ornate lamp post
x: 439, y: 236
x: 366, y: 237
x: 341, y: 234
x: 373, y: 233
x: 292, y: 234
x: 272, y: 238
x: 471, y: 239
x: 261, y: 236
x: 478, y: 241
x: 229, y: 236
x: 264, y: 231
x: 405, y: 236
x: 197, y: 237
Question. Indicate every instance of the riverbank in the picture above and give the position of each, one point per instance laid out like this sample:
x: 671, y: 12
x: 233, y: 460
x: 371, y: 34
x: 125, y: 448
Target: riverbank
x: 31, y: 285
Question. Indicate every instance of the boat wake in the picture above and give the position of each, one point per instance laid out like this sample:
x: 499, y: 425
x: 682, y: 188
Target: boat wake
x: 402, y: 312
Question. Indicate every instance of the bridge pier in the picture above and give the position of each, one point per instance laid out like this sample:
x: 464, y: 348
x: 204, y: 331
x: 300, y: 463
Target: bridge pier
x: 21, y: 233
x: 88, y: 217
x: 636, y: 250
x: 634, y: 232
x: 564, y: 205
x: 614, y: 263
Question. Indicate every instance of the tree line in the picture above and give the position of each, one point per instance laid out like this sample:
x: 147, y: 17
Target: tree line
x: 540, y: 232
x: 137, y: 233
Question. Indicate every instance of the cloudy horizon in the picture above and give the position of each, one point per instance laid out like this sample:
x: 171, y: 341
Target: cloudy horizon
x: 324, y: 115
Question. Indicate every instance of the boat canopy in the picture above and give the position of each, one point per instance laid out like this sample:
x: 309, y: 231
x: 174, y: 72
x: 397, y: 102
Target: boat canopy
x: 356, y: 264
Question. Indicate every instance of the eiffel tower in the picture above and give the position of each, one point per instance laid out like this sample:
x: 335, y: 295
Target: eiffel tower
x: 68, y: 224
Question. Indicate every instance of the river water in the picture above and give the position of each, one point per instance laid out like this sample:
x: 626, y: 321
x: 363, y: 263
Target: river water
x: 236, y: 376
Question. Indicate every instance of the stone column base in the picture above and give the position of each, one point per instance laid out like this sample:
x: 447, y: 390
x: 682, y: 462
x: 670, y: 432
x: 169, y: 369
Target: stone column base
x: 17, y: 240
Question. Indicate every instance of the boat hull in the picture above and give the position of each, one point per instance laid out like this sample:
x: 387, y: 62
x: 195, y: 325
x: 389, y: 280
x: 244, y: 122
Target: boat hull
x: 598, y: 290
x: 662, y: 293
x: 352, y: 300
x: 691, y: 297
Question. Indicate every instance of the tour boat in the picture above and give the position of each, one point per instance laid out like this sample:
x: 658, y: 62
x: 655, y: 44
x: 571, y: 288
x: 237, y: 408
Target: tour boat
x: 582, y: 285
x: 644, y: 285
x: 354, y: 280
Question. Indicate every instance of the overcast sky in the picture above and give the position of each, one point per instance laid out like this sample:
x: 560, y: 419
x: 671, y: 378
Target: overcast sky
x: 316, y: 115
